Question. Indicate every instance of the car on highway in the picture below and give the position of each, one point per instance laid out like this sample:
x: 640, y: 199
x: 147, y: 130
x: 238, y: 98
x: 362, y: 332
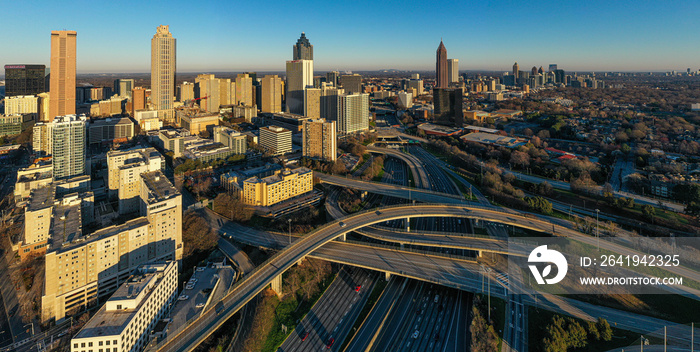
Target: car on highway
x: 303, y: 337
x: 330, y: 343
x: 342, y: 224
x: 415, y: 334
x: 183, y: 297
x: 437, y: 297
x: 189, y: 287
x: 199, y: 305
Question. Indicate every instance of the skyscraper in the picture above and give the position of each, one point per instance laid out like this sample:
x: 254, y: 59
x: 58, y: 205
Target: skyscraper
x: 163, y: 72
x: 303, y: 50
x: 320, y: 139
x: 244, y: 89
x: 351, y: 83
x: 62, y: 83
x: 353, y: 113
x: 24, y: 79
x: 312, y: 102
x: 448, y: 107
x: 332, y: 77
x: 441, y: 78
x: 453, y: 70
x: 300, y: 75
x: 516, y: 70
x: 271, y: 94
x: 69, y: 138
x: 123, y: 87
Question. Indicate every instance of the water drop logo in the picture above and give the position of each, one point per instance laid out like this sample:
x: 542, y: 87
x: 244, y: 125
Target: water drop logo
x: 543, y: 255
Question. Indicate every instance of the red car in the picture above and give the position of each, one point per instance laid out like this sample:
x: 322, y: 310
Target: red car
x: 358, y: 288
x: 303, y: 338
x: 330, y: 343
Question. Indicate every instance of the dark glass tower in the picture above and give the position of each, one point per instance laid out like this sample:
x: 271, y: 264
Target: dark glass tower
x: 441, y: 79
x: 24, y: 79
x: 303, y: 50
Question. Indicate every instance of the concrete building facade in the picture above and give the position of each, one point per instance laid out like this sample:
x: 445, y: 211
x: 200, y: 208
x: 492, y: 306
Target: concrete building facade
x: 353, y: 113
x: 320, y: 140
x: 163, y: 66
x: 68, y: 145
x: 276, y: 140
x: 62, y: 81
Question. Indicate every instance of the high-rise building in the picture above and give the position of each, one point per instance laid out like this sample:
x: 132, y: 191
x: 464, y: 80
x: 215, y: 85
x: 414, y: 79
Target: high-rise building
x: 62, y: 82
x: 276, y: 140
x: 552, y: 67
x: 163, y: 65
x: 43, y: 107
x: 231, y: 138
x: 516, y: 70
x: 300, y: 75
x: 123, y: 87
x: 244, y: 89
x: 441, y: 77
x: 160, y: 200
x: 42, y: 138
x: 533, y: 71
x: 25, y: 80
x: 312, y: 102
x: 10, y: 124
x: 207, y: 91
x: 186, y: 92
x: 281, y: 186
x: 271, y: 94
x: 69, y: 139
x: 351, y: 83
x: 405, y: 100
x: 329, y: 101
x: 22, y: 105
x: 560, y: 76
x: 448, y: 107
x: 353, y: 113
x: 303, y: 50
x: 453, y: 70
x: 110, y: 130
x: 138, y: 99
x: 320, y: 139
x: 124, y: 169
x: 332, y: 77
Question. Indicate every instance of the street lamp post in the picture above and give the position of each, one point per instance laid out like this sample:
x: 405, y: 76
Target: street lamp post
x: 597, y: 235
x: 290, y: 230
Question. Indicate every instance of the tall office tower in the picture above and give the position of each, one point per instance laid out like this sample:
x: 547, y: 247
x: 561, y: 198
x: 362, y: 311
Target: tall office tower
x: 163, y: 66
x: 225, y: 93
x: 448, y: 107
x: 161, y: 204
x: 416, y: 84
x: 43, y: 107
x: 206, y: 89
x: 351, y: 83
x: 276, y: 140
x: 329, y: 101
x: 320, y: 139
x: 415, y: 75
x: 271, y: 94
x: 552, y: 67
x: 312, y: 102
x: 303, y: 50
x: 533, y: 71
x: 138, y: 99
x: 516, y: 70
x: 244, y: 89
x: 123, y: 87
x: 24, y: 79
x: 332, y: 77
x: 300, y: 75
x: 559, y: 76
x: 42, y: 139
x: 186, y: 92
x: 62, y: 82
x: 405, y: 100
x: 441, y: 78
x: 69, y: 138
x: 540, y: 71
x: 453, y: 70
x: 353, y: 113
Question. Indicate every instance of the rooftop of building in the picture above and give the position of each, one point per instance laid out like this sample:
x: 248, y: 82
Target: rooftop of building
x: 278, y: 176
x: 439, y: 129
x: 174, y: 132
x: 64, y: 246
x: 275, y: 129
x: 67, y: 224
x: 489, y: 138
x: 41, y: 198
x: 112, y: 322
x: 111, y: 121
x: 69, y: 119
x: 159, y: 187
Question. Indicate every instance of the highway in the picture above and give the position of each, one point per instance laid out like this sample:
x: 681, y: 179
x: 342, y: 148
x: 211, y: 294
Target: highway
x: 416, y: 167
x: 332, y: 317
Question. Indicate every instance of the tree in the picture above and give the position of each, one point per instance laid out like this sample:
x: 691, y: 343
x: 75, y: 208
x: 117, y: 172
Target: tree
x: 520, y: 158
x: 604, y: 329
x: 232, y: 207
x: 648, y: 210
x: 608, y: 190
x: 197, y: 235
x: 539, y: 204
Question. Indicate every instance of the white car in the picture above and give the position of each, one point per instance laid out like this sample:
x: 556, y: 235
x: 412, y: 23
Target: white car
x: 200, y: 269
x: 189, y: 287
x: 415, y: 334
x: 183, y: 297
x: 199, y: 305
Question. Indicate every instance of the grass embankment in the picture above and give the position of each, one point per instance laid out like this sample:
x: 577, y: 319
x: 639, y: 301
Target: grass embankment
x: 302, y: 286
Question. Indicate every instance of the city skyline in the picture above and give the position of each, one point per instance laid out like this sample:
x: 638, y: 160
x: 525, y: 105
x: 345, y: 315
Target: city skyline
x: 483, y: 36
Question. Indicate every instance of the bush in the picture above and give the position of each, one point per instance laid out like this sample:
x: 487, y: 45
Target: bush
x: 539, y: 204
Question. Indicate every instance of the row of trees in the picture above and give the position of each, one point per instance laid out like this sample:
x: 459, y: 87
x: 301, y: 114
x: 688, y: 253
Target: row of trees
x: 563, y: 334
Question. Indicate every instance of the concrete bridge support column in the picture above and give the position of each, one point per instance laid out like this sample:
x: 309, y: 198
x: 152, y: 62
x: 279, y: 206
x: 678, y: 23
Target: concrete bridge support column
x: 301, y: 260
x: 276, y: 285
x: 343, y: 237
x: 408, y: 224
x: 387, y: 276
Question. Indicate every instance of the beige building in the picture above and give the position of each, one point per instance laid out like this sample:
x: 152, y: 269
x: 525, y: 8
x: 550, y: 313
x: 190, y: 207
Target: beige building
x: 161, y: 203
x: 138, y: 99
x: 244, y: 90
x: 232, y: 139
x: 173, y: 140
x: 109, y: 107
x: 201, y: 122
x: 125, y: 321
x: 186, y: 92
x: 62, y: 81
x: 110, y: 130
x: 163, y: 66
x: 312, y: 103
x: 30, y: 178
x: 22, y: 104
x: 320, y: 140
x: 37, y: 220
x: 276, y: 140
x: 124, y: 169
x: 148, y: 120
x: 271, y: 94
x: 281, y: 186
x: 329, y: 101
x: 244, y: 112
x: 208, y: 90
x: 42, y: 138
x: 42, y: 107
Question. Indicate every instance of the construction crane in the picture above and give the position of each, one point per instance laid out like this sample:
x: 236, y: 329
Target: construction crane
x: 190, y: 103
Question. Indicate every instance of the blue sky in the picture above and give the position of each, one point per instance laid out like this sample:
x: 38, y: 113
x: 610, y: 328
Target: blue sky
x: 114, y: 36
